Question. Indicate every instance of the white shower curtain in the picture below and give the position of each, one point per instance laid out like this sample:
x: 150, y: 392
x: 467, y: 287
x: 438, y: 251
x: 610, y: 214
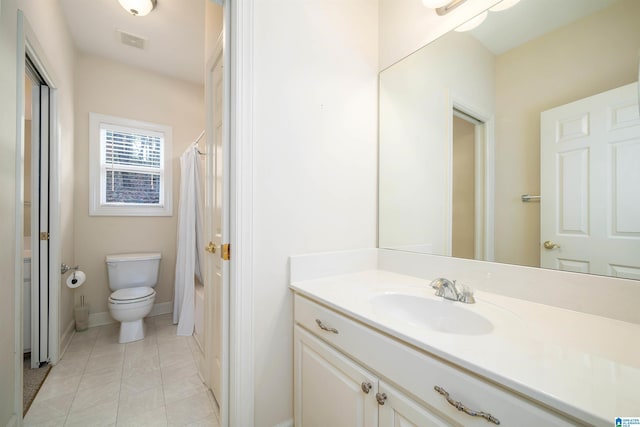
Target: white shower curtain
x: 189, y: 256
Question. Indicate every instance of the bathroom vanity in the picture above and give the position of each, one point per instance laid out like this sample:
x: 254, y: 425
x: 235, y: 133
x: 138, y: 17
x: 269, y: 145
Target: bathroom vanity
x: 375, y: 347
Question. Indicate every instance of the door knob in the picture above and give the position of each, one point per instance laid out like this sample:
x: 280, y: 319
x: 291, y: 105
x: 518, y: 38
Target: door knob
x: 550, y: 245
x: 211, y: 248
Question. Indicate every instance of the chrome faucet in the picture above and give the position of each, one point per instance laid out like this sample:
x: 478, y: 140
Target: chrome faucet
x: 447, y: 289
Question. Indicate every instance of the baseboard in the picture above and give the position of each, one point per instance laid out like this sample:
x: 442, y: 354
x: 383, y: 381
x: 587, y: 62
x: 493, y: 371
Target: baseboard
x: 162, y: 308
x: 66, y: 337
x: 288, y: 423
x: 104, y: 317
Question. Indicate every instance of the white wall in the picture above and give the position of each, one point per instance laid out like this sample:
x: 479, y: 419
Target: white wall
x: 50, y: 30
x: 9, y: 275
x: 315, y: 113
x: 107, y: 87
x: 415, y: 132
x: 406, y: 25
x: 50, y: 27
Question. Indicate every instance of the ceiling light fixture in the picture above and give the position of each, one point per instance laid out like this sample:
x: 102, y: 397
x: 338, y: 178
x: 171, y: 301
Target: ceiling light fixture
x: 442, y: 7
x: 138, y: 7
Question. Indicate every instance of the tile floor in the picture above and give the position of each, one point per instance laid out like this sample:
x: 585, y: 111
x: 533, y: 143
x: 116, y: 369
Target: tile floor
x: 98, y: 382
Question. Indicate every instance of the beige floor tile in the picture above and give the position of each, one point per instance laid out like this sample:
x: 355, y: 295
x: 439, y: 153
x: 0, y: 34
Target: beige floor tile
x: 141, y: 363
x: 71, y: 365
x: 140, y: 383
x: 48, y: 422
x: 54, y: 387
x: 189, y: 410
x: 209, y: 421
x: 104, y: 361
x: 103, y: 414
x: 181, y: 388
x: 152, y: 382
x: 100, y: 377
x: 94, y: 396
x: 155, y: 417
x: 134, y: 403
x: 42, y: 410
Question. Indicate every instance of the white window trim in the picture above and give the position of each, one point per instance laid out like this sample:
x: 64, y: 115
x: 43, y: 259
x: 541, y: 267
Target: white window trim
x: 96, y: 208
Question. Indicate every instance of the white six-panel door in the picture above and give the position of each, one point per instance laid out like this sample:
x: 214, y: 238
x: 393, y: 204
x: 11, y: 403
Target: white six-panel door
x: 217, y: 233
x: 590, y: 185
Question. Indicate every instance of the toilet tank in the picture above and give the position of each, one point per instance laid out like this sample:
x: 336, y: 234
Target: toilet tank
x: 133, y: 270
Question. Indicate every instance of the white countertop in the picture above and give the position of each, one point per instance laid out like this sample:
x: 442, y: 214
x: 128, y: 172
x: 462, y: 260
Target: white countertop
x: 581, y: 364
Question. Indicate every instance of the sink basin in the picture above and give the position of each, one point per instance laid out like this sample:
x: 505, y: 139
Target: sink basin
x: 436, y: 314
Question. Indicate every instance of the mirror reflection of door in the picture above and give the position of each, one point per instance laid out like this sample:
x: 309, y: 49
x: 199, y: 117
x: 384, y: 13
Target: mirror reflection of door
x: 467, y: 195
x: 590, y: 211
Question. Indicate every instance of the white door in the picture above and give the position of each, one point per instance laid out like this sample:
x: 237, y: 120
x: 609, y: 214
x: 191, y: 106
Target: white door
x: 40, y: 132
x: 331, y: 390
x: 217, y: 231
x: 590, y: 182
x: 398, y: 410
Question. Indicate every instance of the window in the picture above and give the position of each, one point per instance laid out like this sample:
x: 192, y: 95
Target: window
x: 130, y: 170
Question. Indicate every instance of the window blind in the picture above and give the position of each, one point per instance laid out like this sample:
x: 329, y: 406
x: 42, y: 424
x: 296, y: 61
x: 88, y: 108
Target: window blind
x: 132, y: 167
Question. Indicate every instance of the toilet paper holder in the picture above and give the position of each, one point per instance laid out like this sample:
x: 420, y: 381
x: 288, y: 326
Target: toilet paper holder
x: 64, y: 268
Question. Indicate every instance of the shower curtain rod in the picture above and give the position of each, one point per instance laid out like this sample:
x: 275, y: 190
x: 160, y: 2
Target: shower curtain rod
x: 195, y: 143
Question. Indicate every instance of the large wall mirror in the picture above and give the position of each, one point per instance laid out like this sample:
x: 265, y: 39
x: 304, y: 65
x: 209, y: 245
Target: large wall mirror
x: 540, y: 100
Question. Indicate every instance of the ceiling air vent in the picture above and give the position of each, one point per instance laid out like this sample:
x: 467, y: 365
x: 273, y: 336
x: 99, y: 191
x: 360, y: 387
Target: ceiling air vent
x: 132, y: 40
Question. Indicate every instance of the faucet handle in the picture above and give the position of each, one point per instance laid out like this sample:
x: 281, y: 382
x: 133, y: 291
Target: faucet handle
x: 437, y: 284
x: 466, y: 296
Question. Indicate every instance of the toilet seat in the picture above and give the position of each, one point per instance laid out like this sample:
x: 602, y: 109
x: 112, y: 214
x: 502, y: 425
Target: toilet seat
x: 132, y: 295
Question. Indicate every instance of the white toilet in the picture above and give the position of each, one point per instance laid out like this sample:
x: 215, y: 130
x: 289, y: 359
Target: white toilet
x: 132, y: 278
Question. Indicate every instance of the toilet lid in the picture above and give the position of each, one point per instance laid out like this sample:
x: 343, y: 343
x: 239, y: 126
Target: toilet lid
x: 131, y: 294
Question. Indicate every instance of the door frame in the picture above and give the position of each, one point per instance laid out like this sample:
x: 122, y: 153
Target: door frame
x: 485, y: 158
x: 238, y: 30
x: 27, y: 44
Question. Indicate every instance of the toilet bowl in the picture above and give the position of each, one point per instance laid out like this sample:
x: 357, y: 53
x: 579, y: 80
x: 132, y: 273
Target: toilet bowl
x: 132, y: 278
x: 130, y: 307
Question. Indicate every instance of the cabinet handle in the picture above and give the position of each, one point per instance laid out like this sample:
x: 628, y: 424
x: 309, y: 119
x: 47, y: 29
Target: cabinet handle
x: 325, y: 327
x: 461, y: 407
x: 381, y: 398
x: 366, y: 387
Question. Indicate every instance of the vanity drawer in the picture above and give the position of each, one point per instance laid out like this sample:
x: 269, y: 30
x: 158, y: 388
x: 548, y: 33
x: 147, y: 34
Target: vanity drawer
x: 418, y: 373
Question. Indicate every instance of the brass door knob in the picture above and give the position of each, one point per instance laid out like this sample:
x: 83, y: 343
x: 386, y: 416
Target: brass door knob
x: 550, y: 245
x: 211, y: 248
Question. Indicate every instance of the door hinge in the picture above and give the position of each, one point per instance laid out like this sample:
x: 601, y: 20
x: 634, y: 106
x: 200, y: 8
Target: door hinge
x: 44, y: 235
x: 226, y: 252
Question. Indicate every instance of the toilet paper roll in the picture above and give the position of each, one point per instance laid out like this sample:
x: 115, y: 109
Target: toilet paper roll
x: 76, y: 279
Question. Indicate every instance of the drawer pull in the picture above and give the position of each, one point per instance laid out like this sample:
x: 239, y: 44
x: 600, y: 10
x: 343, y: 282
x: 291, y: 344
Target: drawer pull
x: 461, y: 407
x: 325, y: 327
x: 366, y: 387
x: 381, y: 398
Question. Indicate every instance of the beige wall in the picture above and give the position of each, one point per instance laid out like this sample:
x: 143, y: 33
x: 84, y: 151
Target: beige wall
x: 593, y: 55
x: 212, y: 27
x: 106, y: 87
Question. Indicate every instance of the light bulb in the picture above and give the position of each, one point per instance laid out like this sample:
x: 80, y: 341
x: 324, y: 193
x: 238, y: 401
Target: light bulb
x: 472, y: 23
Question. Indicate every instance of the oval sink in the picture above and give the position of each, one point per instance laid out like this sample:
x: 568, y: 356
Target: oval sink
x: 438, y: 315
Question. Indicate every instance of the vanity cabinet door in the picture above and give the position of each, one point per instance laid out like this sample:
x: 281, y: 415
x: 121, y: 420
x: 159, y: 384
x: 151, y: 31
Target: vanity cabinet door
x: 399, y: 410
x: 330, y: 389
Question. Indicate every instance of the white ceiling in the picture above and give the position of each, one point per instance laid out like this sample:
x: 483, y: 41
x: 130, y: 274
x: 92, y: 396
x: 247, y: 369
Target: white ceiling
x: 530, y: 19
x: 174, y: 29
